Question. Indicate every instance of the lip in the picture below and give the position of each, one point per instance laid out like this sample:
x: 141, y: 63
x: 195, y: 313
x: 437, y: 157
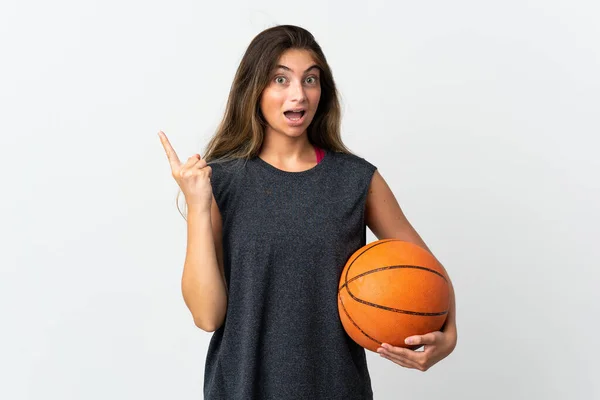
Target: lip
x: 297, y: 122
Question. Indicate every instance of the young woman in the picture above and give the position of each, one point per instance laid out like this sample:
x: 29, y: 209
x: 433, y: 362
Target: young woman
x: 274, y: 210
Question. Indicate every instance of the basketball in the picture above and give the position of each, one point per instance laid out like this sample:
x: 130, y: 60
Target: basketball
x: 390, y: 290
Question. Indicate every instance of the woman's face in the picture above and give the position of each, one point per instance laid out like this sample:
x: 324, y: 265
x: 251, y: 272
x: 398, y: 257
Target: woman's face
x: 290, y: 100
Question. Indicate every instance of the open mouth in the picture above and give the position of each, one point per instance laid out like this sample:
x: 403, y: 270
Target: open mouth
x: 294, y: 115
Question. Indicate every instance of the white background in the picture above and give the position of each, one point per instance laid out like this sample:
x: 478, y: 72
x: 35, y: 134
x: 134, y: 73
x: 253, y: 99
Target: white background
x: 482, y: 116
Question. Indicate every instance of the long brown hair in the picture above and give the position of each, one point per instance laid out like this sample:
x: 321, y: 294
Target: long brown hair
x: 241, y: 132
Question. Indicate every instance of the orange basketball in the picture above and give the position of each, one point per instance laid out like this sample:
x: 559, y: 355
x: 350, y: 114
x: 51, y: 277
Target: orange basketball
x: 389, y: 290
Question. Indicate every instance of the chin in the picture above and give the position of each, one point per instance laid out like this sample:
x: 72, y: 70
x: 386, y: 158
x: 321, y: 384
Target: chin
x: 296, y: 132
x: 292, y: 131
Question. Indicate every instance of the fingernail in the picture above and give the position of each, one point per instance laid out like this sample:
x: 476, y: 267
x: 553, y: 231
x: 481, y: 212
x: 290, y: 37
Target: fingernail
x: 408, y: 341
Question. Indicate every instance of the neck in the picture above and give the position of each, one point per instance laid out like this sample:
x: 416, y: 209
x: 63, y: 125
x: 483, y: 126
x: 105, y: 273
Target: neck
x: 285, y: 149
x: 288, y: 153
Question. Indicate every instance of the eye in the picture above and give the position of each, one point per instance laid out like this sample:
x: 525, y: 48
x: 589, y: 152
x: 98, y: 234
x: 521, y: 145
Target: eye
x: 280, y: 79
x: 311, y: 80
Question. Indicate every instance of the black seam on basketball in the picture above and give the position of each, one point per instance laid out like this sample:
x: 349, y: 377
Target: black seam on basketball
x: 354, y: 323
x: 380, y: 306
x: 395, y: 267
x: 363, y: 252
x: 347, y: 290
x: 397, y: 310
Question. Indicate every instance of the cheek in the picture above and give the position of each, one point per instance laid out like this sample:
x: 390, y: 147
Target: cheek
x: 270, y: 103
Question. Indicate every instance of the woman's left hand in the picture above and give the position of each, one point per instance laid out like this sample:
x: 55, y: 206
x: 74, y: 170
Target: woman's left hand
x: 437, y: 346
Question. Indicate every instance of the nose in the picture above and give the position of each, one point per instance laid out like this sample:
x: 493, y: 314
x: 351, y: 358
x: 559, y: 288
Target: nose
x: 297, y: 92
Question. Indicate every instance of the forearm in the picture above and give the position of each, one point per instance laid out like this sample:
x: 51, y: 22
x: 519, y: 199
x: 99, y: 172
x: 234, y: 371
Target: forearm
x: 203, y: 286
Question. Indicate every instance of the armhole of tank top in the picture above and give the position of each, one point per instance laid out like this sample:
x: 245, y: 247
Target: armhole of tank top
x: 370, y: 172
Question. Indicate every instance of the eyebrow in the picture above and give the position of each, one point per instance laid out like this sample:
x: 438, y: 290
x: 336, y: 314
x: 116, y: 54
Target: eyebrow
x: 289, y: 69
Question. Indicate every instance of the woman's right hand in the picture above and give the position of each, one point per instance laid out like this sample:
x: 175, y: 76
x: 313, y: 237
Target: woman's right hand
x: 193, y: 177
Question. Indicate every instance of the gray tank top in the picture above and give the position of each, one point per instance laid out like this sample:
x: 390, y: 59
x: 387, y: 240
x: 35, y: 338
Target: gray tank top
x: 286, y: 239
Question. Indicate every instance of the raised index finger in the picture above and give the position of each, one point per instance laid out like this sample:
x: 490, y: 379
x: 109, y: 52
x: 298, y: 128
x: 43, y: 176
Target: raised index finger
x: 171, y: 155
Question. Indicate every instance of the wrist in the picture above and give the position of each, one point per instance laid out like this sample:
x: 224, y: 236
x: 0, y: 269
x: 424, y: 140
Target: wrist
x: 197, y: 209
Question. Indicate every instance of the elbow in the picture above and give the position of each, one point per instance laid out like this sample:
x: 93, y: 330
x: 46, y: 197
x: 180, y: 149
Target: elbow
x: 207, y: 326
